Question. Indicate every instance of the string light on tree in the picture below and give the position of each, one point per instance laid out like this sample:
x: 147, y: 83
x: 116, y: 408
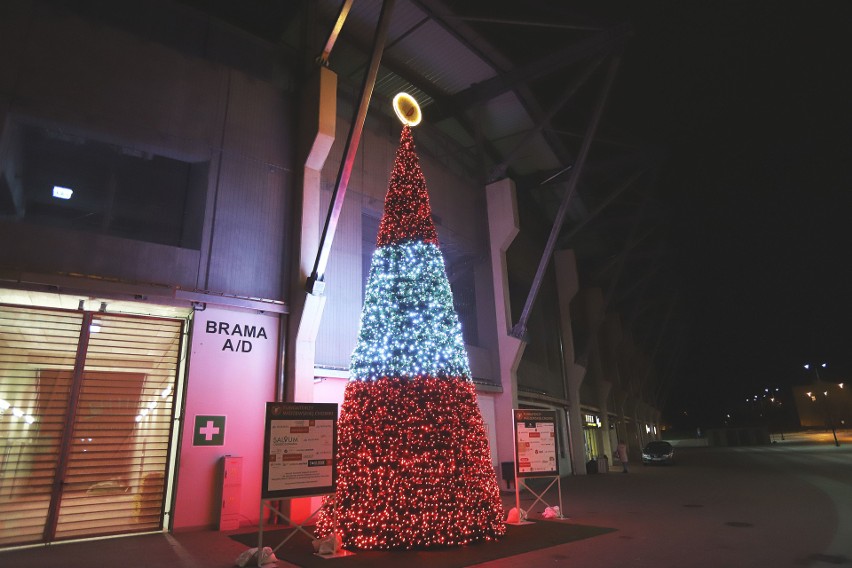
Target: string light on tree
x: 414, y: 467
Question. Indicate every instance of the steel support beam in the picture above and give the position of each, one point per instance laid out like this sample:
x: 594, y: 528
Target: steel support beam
x: 520, y: 328
x: 64, y: 453
x: 583, y: 358
x: 627, y: 184
x: 600, y: 44
x: 613, y: 262
x: 335, y: 31
x: 485, y: 148
x: 644, y: 386
x: 500, y: 169
x: 315, y: 284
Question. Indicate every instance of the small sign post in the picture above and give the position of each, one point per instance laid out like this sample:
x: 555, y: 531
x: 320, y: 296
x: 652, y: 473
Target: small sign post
x: 300, y: 446
x: 536, y: 453
x: 300, y: 443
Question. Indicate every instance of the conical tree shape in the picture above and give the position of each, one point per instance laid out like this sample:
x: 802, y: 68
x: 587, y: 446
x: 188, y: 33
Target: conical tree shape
x: 407, y: 213
x: 414, y: 467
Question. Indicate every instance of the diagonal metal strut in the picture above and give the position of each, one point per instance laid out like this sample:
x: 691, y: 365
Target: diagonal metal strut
x: 315, y: 284
x: 520, y: 328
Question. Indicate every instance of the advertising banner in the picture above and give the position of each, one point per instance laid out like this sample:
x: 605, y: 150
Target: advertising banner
x: 300, y: 445
x: 535, y: 443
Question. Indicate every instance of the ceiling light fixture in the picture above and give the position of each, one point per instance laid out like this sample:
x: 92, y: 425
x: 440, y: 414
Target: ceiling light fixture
x: 60, y: 192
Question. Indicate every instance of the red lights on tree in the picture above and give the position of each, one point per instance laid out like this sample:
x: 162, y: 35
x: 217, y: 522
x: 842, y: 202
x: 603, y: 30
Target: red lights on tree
x: 414, y: 467
x: 407, y: 213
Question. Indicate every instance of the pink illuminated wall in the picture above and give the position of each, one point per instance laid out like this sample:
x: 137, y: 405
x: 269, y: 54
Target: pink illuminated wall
x: 232, y: 369
x: 330, y: 389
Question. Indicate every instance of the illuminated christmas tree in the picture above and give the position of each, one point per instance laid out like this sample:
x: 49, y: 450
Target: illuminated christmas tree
x: 414, y: 467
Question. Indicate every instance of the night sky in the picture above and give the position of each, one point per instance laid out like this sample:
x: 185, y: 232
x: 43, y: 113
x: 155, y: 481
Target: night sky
x: 753, y: 100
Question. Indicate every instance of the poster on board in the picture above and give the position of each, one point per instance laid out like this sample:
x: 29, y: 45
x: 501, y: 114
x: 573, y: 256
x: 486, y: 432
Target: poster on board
x: 535, y: 443
x: 300, y: 444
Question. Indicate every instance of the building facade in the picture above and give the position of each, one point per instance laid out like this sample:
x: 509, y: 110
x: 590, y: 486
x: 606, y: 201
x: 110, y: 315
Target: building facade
x: 164, y: 182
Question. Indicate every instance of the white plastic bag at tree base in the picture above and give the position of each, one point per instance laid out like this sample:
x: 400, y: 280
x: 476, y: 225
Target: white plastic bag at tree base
x: 330, y: 544
x: 552, y: 513
x: 249, y: 557
x: 516, y: 515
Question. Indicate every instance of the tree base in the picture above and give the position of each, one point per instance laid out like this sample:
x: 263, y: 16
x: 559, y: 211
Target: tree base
x: 414, y: 467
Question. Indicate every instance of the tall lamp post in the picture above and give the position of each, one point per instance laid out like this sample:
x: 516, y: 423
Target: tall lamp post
x: 774, y: 404
x: 825, y: 408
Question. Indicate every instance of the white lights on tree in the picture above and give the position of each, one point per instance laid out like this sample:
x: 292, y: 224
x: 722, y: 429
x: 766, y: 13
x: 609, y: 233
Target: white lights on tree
x: 409, y: 326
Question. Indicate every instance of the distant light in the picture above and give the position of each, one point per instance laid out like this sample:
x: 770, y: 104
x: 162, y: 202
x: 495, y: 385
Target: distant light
x: 840, y: 385
x: 824, y: 365
x: 807, y: 366
x: 62, y: 192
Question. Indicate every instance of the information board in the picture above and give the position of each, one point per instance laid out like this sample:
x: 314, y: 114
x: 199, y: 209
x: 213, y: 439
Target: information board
x: 535, y: 443
x: 300, y: 445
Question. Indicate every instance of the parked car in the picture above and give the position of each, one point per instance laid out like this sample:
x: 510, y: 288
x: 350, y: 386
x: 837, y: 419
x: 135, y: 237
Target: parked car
x: 658, y: 452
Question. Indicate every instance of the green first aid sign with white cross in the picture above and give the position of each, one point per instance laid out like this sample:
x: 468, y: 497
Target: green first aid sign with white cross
x: 209, y: 431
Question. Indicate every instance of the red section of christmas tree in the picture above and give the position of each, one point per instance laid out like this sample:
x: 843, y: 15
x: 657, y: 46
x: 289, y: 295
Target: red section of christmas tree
x: 414, y: 466
x: 407, y: 212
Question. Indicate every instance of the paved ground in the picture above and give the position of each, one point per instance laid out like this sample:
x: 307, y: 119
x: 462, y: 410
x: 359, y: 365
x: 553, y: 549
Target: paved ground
x: 785, y: 505
x: 789, y: 504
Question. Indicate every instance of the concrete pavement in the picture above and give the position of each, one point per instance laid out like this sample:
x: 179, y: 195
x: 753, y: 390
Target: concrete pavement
x: 784, y: 505
x: 788, y: 504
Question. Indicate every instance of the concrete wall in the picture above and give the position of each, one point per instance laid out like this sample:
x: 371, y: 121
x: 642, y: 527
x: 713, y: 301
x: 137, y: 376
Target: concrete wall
x: 224, y: 380
x: 101, y: 83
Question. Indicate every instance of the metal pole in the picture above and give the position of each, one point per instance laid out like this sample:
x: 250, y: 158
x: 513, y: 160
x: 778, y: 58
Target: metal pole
x: 519, y: 330
x: 500, y: 169
x: 515, y: 465
x: 825, y: 408
x: 64, y: 454
x: 335, y: 31
x: 260, y: 533
x: 559, y: 488
x: 314, y: 284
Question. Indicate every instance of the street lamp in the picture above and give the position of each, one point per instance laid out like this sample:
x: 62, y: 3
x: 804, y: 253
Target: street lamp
x: 824, y: 400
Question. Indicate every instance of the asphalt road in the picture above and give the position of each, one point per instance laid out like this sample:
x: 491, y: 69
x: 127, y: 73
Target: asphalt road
x: 788, y: 504
x: 784, y: 505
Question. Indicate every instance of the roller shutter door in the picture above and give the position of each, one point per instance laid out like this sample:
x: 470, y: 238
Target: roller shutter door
x: 86, y: 412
